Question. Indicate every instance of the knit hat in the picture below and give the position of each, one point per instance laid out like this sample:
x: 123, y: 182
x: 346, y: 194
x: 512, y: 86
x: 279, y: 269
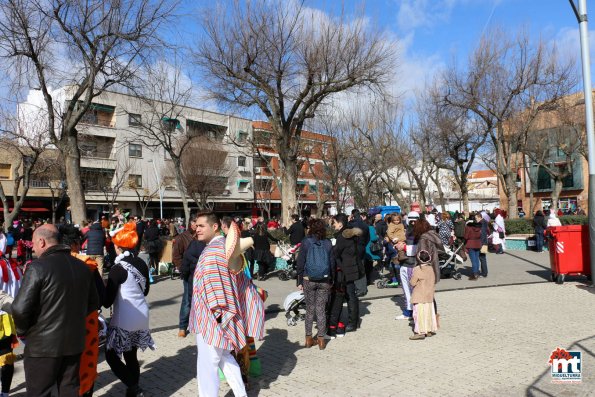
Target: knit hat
x: 125, y: 237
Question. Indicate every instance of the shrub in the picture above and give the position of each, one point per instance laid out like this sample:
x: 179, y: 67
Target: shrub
x: 525, y: 225
x: 519, y: 226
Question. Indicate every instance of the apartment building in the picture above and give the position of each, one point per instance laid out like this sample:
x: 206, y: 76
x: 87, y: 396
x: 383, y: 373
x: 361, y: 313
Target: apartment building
x: 313, y: 184
x: 120, y: 168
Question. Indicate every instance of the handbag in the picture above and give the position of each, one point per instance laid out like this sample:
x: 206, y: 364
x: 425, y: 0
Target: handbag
x: 484, y: 249
x: 376, y: 246
x: 501, y: 234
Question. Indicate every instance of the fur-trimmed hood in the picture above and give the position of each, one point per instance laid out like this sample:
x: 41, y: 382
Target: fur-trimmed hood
x: 352, y: 232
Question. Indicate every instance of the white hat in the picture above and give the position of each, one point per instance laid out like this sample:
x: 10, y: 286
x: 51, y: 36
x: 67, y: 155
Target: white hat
x: 412, y: 215
x: 235, y: 246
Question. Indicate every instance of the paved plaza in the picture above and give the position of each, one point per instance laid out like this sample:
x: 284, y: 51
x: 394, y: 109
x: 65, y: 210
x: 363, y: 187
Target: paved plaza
x: 495, y: 339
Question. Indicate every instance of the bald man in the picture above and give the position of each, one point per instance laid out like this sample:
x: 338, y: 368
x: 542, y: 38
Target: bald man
x: 56, y: 295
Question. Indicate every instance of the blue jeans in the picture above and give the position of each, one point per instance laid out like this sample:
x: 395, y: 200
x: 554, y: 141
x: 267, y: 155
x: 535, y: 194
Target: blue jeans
x: 539, y: 241
x: 474, y: 256
x: 186, y: 301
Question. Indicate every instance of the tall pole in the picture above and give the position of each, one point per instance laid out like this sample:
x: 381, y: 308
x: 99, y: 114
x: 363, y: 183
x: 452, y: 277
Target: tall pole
x: 581, y: 16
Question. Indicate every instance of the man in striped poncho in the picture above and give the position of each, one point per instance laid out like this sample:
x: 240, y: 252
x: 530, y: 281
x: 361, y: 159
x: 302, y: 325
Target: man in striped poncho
x: 215, y: 316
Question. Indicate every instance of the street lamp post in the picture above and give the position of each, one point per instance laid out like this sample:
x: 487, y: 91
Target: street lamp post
x: 581, y: 16
x: 158, y: 180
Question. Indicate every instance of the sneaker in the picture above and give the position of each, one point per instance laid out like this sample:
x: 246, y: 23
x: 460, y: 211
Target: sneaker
x: 475, y: 277
x: 417, y: 337
x: 403, y: 317
x: 182, y: 333
x: 341, y: 330
x: 332, y: 333
x: 350, y: 328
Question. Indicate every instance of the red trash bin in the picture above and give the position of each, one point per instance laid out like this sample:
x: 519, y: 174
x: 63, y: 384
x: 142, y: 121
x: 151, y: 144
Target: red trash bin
x: 569, y: 251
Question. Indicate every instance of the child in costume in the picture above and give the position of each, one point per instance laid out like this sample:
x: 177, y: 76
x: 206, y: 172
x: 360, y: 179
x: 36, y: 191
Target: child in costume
x: 128, y: 330
x: 423, y: 282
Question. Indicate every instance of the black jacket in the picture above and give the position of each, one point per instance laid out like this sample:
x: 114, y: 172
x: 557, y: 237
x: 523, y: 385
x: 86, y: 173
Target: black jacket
x: 190, y: 258
x: 296, y: 233
x: 151, y: 233
x: 362, y: 240
x: 57, y: 294
x: 539, y: 224
x: 346, y: 255
x: 95, y: 239
x: 140, y: 229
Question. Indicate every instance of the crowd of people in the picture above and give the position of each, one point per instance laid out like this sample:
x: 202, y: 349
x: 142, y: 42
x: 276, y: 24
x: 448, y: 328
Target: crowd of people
x: 57, y: 312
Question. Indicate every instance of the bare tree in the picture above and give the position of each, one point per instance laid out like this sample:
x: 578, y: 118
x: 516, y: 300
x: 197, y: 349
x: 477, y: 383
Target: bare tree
x: 144, y: 196
x: 102, y: 44
x: 162, y: 99
x: 118, y: 178
x: 277, y: 57
x: 22, y: 145
x: 205, y: 170
x: 51, y: 174
x: 505, y: 77
x: 264, y: 195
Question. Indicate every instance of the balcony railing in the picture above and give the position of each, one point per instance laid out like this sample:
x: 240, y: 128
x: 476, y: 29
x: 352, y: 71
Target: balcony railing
x: 96, y: 154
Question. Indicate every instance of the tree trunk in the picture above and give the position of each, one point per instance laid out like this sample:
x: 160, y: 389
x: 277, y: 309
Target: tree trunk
x: 465, y: 198
x: 181, y: 188
x: 558, y: 184
x: 76, y: 193
x: 289, y: 203
x: 511, y: 195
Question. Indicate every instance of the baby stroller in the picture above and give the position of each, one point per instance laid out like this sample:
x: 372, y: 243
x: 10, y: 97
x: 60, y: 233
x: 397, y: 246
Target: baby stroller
x: 294, y: 302
x: 449, y: 261
x: 289, y: 253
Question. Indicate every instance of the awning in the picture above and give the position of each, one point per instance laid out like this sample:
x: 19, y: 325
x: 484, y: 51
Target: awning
x: 176, y: 121
x: 103, y: 108
x: 32, y: 209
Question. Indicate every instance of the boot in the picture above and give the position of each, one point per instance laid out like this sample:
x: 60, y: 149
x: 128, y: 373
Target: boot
x: 309, y: 341
x: 321, y: 343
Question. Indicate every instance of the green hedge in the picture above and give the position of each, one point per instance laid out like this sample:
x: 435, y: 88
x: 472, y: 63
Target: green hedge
x: 525, y: 225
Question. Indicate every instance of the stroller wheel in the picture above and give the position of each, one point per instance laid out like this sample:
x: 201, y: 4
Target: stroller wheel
x: 456, y: 276
x: 380, y: 284
x: 291, y: 322
x: 283, y: 276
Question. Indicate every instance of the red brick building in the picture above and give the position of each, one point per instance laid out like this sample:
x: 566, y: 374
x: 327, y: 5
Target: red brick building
x: 313, y: 182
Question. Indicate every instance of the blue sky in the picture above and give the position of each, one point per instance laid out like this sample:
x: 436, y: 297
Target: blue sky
x: 434, y: 33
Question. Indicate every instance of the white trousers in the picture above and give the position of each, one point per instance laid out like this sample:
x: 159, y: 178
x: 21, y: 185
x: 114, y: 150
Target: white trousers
x: 405, y: 276
x: 209, y: 360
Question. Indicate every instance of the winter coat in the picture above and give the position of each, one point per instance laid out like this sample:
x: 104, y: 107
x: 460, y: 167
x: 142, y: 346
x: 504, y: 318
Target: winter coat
x: 362, y: 240
x: 50, y: 310
x: 430, y: 241
x: 539, y: 224
x: 180, y: 245
x: 422, y: 281
x: 190, y: 259
x: 296, y: 233
x: 396, y: 232
x: 303, y: 254
x: 473, y: 235
x: 95, y: 239
x: 349, y: 266
x: 373, y: 238
x: 459, y: 229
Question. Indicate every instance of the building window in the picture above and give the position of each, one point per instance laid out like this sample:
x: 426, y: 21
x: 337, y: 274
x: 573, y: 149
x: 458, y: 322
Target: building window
x: 170, y: 183
x: 135, y: 180
x: 170, y: 125
x: 134, y: 119
x: 5, y: 171
x: 241, y: 161
x: 568, y: 180
x: 263, y: 185
x: 544, y: 182
x: 243, y: 185
x: 135, y: 150
x: 242, y: 136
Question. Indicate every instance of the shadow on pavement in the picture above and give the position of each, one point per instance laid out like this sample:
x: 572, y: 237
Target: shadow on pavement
x: 544, y: 274
x: 165, y: 302
x: 176, y: 370
x: 277, y: 355
x: 543, y: 386
x: 526, y: 260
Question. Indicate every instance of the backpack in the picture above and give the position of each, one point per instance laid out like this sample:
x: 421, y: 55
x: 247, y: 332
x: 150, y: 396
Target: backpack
x: 318, y: 262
